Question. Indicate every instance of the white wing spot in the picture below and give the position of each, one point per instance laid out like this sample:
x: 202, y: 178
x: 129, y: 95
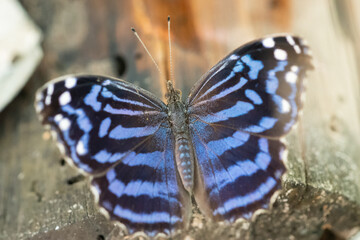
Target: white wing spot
x: 268, y: 42
x: 80, y: 148
x: 290, y: 40
x: 294, y: 68
x: 234, y: 57
x: 291, y: 77
x: 106, y: 82
x: 65, y: 98
x: 280, y: 54
x: 64, y: 124
x: 285, y: 106
x: 48, y: 100
x: 50, y: 89
x: 70, y: 82
x: 58, y: 117
x: 297, y: 49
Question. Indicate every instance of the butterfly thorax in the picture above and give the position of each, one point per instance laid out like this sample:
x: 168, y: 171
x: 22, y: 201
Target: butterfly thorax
x: 184, y: 157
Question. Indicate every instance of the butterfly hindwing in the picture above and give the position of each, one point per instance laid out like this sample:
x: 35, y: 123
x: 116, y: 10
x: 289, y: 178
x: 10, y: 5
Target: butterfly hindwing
x: 238, y: 111
x: 237, y: 172
x: 118, y: 133
x: 144, y: 192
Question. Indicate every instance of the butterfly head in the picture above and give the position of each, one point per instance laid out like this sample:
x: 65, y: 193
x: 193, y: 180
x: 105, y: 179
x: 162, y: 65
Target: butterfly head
x: 172, y: 95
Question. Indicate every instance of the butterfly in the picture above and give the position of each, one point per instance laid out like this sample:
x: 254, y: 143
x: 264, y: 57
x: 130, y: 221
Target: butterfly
x: 147, y: 159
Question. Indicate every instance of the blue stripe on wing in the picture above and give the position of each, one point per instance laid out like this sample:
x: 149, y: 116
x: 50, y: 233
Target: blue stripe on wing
x: 237, y: 172
x: 257, y: 88
x: 110, y: 115
x: 144, y: 191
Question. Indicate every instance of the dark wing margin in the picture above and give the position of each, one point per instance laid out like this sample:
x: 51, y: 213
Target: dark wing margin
x: 238, y: 112
x: 116, y: 133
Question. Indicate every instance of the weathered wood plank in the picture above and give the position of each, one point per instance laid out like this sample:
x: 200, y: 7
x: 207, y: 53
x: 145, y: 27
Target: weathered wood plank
x: 321, y: 192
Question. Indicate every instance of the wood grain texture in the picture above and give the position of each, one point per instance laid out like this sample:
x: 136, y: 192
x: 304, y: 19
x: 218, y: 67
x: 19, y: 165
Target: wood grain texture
x: 321, y: 192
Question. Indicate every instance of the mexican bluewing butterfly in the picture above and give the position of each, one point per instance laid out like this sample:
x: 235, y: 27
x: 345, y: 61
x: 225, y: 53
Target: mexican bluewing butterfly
x: 146, y: 159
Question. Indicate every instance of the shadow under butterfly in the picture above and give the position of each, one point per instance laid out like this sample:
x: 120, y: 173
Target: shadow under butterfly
x: 146, y: 159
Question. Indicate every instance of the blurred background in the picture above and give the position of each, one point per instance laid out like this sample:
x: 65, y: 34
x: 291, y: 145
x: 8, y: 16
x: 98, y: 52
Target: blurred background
x: 43, y: 198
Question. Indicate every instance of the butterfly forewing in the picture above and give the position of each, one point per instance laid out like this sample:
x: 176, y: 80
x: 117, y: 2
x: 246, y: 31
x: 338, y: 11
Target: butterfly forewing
x: 117, y: 132
x: 238, y: 111
x: 257, y: 88
x: 98, y: 120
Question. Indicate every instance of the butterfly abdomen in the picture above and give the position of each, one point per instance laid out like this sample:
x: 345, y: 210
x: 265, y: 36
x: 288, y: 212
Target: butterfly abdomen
x: 184, y: 161
x: 184, y: 156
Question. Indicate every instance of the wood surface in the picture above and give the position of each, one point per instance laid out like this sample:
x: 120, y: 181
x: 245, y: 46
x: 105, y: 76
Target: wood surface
x: 41, y: 197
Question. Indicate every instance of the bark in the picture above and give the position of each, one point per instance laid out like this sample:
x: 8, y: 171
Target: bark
x: 43, y: 198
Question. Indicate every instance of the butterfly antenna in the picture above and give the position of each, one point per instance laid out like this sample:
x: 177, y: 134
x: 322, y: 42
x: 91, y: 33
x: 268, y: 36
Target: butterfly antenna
x: 171, y: 67
x: 142, y: 43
